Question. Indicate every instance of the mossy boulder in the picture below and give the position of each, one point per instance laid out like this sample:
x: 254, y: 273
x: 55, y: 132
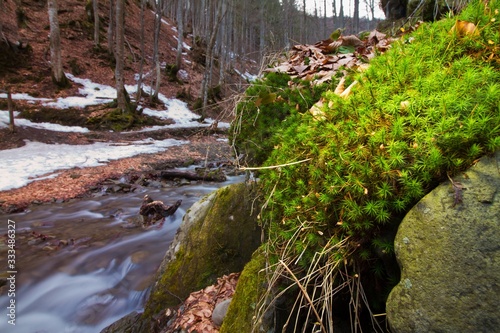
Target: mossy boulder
x: 251, y: 285
x: 447, y: 247
x: 218, y: 236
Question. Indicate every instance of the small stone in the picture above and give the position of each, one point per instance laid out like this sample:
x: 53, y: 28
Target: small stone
x: 220, y: 312
x: 35, y: 241
x: 138, y: 256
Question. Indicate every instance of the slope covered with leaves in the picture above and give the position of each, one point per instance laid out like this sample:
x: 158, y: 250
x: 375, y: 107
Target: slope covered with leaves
x: 338, y: 184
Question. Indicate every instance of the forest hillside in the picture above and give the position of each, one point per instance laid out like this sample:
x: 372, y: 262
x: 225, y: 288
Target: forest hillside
x: 25, y: 57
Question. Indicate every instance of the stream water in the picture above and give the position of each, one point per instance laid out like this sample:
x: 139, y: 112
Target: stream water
x: 78, y: 269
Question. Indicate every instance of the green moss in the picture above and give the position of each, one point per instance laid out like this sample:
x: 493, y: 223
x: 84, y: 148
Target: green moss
x: 217, y: 244
x: 268, y: 105
x: 427, y: 108
x: 239, y: 317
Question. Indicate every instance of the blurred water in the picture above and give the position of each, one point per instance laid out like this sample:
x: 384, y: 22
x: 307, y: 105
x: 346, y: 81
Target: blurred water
x: 104, y: 275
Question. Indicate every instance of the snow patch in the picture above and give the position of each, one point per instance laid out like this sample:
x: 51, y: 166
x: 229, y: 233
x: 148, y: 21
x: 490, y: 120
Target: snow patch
x: 23, y: 165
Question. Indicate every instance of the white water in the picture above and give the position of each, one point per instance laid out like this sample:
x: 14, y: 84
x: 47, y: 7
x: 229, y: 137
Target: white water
x: 107, y: 273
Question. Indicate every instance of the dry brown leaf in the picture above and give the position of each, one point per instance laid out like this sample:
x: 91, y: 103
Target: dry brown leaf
x: 300, y: 68
x: 346, y: 93
x: 351, y: 40
x: 464, y: 28
x: 375, y: 37
x: 340, y: 87
x: 316, y: 110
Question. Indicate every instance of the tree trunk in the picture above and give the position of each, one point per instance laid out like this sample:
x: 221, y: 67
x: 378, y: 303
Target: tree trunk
x: 119, y: 56
x: 262, y: 30
x: 143, y: 54
x: 96, y: 22
x: 180, y: 29
x: 10, y: 106
x: 325, y: 15
x: 1, y: 20
x: 156, y: 60
x: 304, y: 22
x: 356, y: 17
x: 111, y: 30
x: 208, y: 67
x: 334, y: 16
x: 55, y: 46
x: 341, y: 14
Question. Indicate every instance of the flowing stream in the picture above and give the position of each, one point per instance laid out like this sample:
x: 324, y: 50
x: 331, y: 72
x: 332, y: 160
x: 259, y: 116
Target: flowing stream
x: 78, y: 268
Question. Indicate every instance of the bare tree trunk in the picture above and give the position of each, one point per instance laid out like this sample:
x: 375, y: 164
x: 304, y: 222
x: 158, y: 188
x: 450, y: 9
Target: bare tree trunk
x: 304, y: 22
x: 96, y: 22
x: 55, y: 46
x: 1, y: 20
x: 143, y: 54
x: 180, y: 29
x: 356, y: 17
x: 10, y: 106
x: 341, y: 14
x: 208, y: 67
x: 119, y: 56
x: 262, y: 32
x: 334, y: 15
x: 156, y: 60
x: 111, y: 30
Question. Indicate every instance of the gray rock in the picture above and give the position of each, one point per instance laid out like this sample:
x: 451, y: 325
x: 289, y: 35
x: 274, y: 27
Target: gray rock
x: 220, y: 311
x: 217, y: 236
x: 449, y: 253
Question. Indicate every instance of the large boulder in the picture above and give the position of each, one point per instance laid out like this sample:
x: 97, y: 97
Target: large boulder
x: 217, y: 237
x: 448, y: 247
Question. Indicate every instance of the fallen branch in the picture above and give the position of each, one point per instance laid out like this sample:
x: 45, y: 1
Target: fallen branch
x: 202, y: 174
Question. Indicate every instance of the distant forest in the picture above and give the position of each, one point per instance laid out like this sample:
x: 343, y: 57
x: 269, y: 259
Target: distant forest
x: 255, y: 28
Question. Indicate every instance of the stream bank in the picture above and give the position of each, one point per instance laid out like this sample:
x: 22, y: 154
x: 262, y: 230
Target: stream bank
x: 80, y: 267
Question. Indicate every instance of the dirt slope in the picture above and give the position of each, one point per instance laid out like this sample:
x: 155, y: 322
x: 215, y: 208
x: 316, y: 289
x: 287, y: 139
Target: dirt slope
x: 32, y: 74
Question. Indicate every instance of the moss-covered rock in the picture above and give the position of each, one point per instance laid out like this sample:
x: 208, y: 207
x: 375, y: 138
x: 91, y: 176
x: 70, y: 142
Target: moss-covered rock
x: 447, y: 246
x: 218, y: 236
x: 251, y: 284
x: 338, y: 186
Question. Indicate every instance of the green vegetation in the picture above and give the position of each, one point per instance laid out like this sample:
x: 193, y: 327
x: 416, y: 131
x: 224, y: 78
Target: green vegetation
x: 268, y: 106
x: 426, y: 109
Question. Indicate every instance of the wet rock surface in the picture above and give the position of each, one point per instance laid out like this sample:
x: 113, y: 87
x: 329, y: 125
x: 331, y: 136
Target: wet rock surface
x: 447, y: 247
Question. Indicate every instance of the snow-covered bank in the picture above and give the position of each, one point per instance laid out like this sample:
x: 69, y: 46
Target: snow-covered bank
x: 92, y: 93
x: 23, y: 165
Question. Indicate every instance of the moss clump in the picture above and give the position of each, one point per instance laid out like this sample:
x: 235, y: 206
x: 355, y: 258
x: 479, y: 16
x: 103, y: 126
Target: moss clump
x: 426, y: 109
x: 268, y: 105
x: 114, y: 119
x: 219, y: 243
